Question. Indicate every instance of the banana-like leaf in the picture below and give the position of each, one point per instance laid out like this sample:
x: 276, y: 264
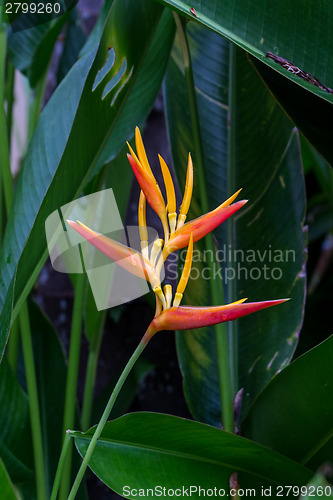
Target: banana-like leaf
x: 293, y: 414
x: 299, y: 35
x: 73, y: 130
x: 145, y: 450
x: 247, y: 142
x: 7, y: 488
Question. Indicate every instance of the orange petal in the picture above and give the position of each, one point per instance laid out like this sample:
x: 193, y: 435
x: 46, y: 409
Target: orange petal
x: 201, y: 226
x: 123, y: 255
x: 188, y: 317
x: 150, y: 189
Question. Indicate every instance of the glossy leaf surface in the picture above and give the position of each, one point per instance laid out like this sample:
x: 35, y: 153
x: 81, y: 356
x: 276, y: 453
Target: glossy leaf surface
x: 301, y: 36
x: 61, y: 159
x: 293, y: 414
x: 249, y: 143
x: 144, y: 450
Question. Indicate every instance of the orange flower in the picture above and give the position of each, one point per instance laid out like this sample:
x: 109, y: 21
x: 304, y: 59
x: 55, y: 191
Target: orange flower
x: 177, y: 235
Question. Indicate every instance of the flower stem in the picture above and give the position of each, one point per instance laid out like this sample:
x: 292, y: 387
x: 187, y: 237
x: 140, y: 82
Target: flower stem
x: 60, y: 467
x: 94, y: 349
x: 104, y: 418
x: 216, y: 286
x: 72, y: 376
x: 33, y: 401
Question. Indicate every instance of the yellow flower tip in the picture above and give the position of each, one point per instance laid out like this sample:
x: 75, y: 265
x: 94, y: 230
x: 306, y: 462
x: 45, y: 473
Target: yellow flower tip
x: 172, y: 222
x: 169, y: 186
x: 133, y: 155
x: 158, y: 292
x: 156, y: 250
x: 168, y: 294
x: 177, y: 299
x: 231, y: 199
x: 188, y: 188
x: 141, y: 151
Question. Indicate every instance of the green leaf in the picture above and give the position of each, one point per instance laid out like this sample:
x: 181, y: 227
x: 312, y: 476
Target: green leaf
x: 74, y: 40
x: 51, y: 373
x: 259, y: 27
x: 293, y: 414
x: 247, y: 142
x: 310, y: 113
x: 30, y: 50
x: 144, y: 450
x: 72, y: 132
x: 317, y: 488
x: 15, y: 440
x: 7, y: 488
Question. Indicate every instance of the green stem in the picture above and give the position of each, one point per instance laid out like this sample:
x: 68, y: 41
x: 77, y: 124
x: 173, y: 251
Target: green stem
x: 72, y: 376
x: 89, y: 385
x: 216, y: 286
x: 60, y: 467
x: 104, y: 418
x: 33, y: 402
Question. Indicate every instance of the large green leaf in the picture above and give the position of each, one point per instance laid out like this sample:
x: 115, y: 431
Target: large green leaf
x: 49, y: 360
x: 30, y: 50
x: 73, y: 130
x: 15, y: 440
x: 293, y: 414
x: 145, y: 450
x: 247, y: 142
x: 259, y: 27
x: 7, y: 488
x: 291, y: 30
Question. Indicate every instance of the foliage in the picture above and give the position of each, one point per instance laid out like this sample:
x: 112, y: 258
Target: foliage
x: 249, y: 122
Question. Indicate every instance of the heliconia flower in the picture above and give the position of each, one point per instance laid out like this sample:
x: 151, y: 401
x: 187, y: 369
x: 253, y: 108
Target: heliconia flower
x: 203, y: 225
x: 126, y: 257
x: 189, y: 317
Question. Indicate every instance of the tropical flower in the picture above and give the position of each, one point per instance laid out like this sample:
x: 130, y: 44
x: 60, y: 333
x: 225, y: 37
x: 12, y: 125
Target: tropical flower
x: 178, y: 234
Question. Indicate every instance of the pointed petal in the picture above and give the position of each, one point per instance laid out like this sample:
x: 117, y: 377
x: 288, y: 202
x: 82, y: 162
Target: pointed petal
x: 188, y: 188
x: 149, y: 187
x: 141, y: 151
x: 201, y: 226
x: 123, y: 255
x: 170, y: 189
x: 188, y: 317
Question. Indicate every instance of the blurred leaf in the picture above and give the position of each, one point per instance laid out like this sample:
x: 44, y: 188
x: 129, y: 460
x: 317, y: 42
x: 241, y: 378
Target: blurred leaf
x: 313, y: 161
x: 51, y: 373
x: 146, y: 449
x: 310, y: 112
x: 247, y: 142
x: 317, y: 488
x: 293, y: 414
x: 74, y: 41
x: 61, y: 159
x: 15, y: 440
x: 7, y: 488
x: 30, y: 50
